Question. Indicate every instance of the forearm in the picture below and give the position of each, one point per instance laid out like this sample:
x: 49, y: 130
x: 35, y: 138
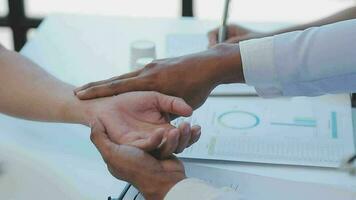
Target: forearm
x: 27, y: 91
x: 221, y: 64
x: 228, y: 64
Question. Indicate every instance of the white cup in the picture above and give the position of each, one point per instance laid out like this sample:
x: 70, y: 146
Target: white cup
x: 141, y: 63
x: 141, y: 49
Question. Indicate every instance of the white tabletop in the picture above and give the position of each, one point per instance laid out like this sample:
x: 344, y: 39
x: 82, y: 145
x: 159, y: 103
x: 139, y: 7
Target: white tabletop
x: 79, y: 49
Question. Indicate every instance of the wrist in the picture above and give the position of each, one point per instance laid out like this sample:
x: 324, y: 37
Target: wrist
x: 76, y: 111
x: 228, y: 68
x: 160, y: 190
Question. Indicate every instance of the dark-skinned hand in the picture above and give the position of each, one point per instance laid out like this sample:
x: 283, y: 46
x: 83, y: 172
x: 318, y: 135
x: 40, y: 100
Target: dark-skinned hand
x: 191, y: 77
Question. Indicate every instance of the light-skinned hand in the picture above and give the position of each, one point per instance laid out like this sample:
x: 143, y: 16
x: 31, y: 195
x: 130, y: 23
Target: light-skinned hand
x: 132, y: 119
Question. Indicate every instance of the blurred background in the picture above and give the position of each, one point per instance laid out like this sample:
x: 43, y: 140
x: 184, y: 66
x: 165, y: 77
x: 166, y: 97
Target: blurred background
x: 18, y: 18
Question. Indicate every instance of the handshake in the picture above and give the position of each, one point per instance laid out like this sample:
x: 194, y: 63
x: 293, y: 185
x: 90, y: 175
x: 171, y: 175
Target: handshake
x: 132, y: 130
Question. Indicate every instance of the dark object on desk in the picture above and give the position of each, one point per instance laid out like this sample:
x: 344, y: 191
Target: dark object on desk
x: 129, y: 193
x: 351, y: 163
x: 353, y: 100
x: 352, y: 159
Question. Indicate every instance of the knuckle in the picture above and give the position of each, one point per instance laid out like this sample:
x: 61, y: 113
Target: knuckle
x: 154, y: 64
x: 151, y: 65
x: 113, y: 84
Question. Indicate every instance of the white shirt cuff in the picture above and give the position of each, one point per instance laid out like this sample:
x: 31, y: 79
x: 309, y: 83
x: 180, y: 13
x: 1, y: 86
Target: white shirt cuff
x: 259, y: 67
x: 269, y: 92
x: 193, y: 189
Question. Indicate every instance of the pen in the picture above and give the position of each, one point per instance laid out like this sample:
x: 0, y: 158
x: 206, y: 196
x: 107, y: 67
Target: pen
x: 223, y: 28
x: 124, y: 192
x: 349, y: 165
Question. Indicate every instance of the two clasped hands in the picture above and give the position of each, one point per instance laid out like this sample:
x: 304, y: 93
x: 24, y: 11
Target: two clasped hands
x: 136, y: 139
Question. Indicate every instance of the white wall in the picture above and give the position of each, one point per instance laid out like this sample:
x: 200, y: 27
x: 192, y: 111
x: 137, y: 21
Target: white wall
x: 151, y: 8
x: 296, y: 11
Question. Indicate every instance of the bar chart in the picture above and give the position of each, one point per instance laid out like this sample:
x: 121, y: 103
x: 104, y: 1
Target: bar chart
x: 314, y: 131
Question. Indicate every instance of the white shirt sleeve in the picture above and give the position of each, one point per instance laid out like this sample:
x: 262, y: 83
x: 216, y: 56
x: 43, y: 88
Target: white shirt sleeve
x: 193, y: 189
x: 313, y: 62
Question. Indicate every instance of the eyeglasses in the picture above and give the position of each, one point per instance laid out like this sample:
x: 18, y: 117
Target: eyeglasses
x: 349, y: 165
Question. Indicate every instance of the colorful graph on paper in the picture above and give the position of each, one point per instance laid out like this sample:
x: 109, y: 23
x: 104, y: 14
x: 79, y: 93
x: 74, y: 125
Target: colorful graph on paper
x: 314, y: 131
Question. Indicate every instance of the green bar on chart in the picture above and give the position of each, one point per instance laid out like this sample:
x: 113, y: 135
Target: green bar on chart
x: 211, y: 146
x: 334, y: 125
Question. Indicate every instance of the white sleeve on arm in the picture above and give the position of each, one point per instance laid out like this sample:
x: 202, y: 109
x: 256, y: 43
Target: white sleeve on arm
x: 313, y: 62
x: 193, y: 189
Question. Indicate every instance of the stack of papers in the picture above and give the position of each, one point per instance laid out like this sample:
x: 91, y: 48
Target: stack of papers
x: 314, y: 131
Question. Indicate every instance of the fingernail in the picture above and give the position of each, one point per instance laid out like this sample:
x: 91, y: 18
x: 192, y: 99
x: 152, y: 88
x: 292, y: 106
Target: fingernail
x: 199, y: 128
x: 187, y: 130
x: 198, y: 136
x: 80, y: 93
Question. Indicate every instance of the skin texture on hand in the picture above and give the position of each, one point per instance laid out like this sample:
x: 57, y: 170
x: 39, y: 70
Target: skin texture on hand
x: 235, y: 34
x: 132, y: 118
x: 154, y: 178
x: 191, y: 77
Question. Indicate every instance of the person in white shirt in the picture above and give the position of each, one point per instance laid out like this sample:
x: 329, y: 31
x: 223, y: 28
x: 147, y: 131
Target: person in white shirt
x: 315, y: 61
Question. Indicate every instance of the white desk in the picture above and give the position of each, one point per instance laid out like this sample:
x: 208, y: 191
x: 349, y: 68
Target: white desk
x: 79, y: 49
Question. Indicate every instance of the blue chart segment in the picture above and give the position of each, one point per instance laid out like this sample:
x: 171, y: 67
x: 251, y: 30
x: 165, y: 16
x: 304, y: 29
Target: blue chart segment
x: 333, y: 124
x: 298, y: 121
x: 237, y: 119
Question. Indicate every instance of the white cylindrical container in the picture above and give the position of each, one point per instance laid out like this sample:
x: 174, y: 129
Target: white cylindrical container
x: 141, y: 63
x: 142, y: 49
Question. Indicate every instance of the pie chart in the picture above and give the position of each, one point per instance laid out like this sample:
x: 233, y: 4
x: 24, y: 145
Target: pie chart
x: 237, y: 119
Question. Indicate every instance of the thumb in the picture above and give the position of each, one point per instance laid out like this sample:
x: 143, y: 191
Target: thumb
x: 101, y: 140
x: 174, y: 105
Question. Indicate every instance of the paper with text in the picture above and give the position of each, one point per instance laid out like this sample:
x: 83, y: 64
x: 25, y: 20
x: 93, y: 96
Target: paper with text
x: 314, y: 131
